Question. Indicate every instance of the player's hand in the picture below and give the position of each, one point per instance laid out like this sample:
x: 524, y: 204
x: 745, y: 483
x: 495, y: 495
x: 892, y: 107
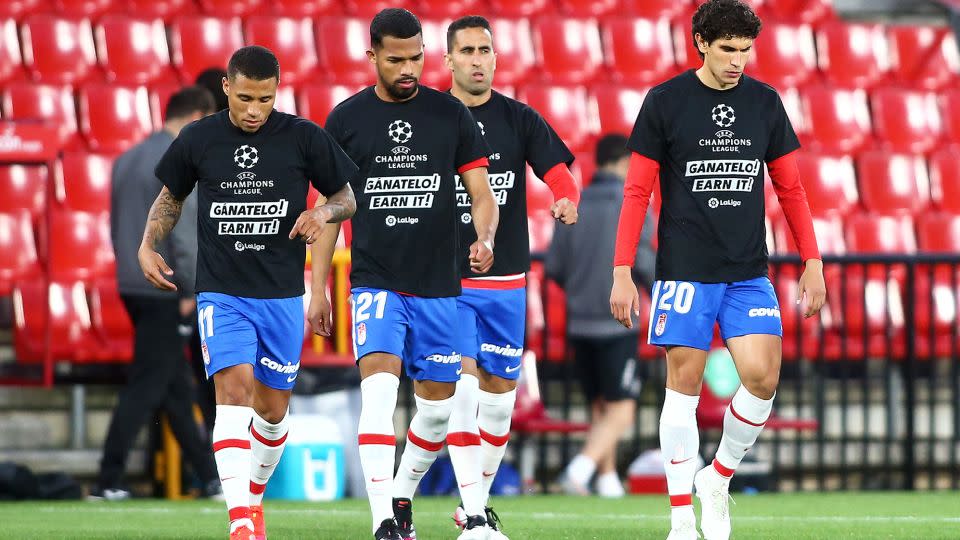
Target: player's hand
x: 565, y: 211
x: 320, y: 314
x: 481, y: 256
x: 624, y: 297
x: 309, y: 224
x: 812, y: 291
x: 155, y: 268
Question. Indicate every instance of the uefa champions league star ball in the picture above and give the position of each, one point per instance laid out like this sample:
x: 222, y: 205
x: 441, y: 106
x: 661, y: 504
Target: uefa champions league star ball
x: 723, y: 115
x: 400, y: 131
x: 246, y: 156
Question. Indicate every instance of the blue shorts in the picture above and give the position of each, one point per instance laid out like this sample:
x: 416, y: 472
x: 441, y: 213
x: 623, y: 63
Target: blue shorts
x: 683, y: 312
x: 418, y: 330
x: 491, y: 328
x: 264, y: 332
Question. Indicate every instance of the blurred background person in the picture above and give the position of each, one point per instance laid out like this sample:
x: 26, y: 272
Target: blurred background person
x: 212, y: 80
x: 157, y: 379
x: 604, y: 351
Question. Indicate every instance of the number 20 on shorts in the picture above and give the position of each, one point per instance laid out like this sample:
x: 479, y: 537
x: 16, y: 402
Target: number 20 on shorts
x: 674, y: 296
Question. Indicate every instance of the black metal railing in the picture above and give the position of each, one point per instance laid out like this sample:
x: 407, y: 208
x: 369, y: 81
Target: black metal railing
x: 878, y: 370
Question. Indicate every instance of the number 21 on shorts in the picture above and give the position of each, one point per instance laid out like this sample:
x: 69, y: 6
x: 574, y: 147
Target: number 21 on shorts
x: 361, y: 307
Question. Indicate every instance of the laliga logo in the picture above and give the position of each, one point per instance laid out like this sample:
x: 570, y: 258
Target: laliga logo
x: 246, y: 156
x: 466, y: 218
x: 391, y: 221
x: 400, y: 131
x: 713, y: 202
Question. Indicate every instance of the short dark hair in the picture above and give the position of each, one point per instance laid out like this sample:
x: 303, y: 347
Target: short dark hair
x: 189, y: 100
x: 724, y: 19
x: 610, y: 148
x: 254, y: 62
x: 394, y: 22
x: 212, y: 80
x: 469, y: 21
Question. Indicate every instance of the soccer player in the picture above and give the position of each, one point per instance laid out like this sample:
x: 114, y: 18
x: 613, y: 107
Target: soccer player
x: 492, y: 308
x: 409, y: 142
x: 707, y: 133
x: 252, y: 167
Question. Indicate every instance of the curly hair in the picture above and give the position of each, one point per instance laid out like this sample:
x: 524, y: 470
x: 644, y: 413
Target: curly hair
x: 723, y: 19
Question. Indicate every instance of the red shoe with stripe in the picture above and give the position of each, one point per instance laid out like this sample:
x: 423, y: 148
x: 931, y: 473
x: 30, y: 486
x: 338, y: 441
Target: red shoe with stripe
x: 259, y: 527
x: 242, y: 533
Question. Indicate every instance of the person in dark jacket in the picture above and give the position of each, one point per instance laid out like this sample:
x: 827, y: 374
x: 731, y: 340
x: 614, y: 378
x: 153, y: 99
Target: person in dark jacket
x: 604, y: 351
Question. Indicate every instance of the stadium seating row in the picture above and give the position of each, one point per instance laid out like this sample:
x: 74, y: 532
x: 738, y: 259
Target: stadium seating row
x: 641, y: 51
x: 805, y: 10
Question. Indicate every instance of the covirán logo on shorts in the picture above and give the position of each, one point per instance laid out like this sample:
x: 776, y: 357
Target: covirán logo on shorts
x: 246, y: 156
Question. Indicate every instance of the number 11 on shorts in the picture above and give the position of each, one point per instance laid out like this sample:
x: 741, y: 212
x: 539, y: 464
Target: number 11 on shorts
x: 205, y: 321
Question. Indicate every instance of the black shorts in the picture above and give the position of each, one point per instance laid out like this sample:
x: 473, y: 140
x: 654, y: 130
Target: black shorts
x: 607, y: 367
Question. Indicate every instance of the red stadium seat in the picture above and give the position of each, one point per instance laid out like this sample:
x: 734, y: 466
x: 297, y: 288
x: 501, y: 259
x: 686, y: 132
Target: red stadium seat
x: 945, y: 179
x: 891, y: 183
x: 540, y: 223
x: 566, y: 109
x: 838, y: 120
x: 77, y: 245
x: 291, y: 40
x: 588, y: 8
x: 924, y: 57
x: 513, y: 44
x: 938, y: 232
x: 449, y: 8
x: 286, y: 100
x: 584, y: 166
x: 24, y: 189
x: 435, y: 73
x: 52, y: 103
x: 618, y: 107
x: 367, y: 9
x: 229, y: 8
x: 852, y: 55
x: 85, y: 8
x: 307, y: 8
x: 133, y: 51
x: 11, y: 62
x: 200, y: 42
x: 639, y: 51
x: 869, y: 233
x: 937, y: 291
x: 110, y: 321
x: 905, y: 120
x: 658, y: 9
x: 82, y: 182
x: 784, y: 55
x: 316, y: 101
x: 684, y: 49
x: 343, y: 43
x: 950, y: 104
x: 828, y: 229
x: 539, y: 197
x: 17, y: 9
x: 114, y: 118
x: 830, y: 183
x: 569, y: 50
x: 166, y: 10
x: 159, y: 96
x: 71, y: 337
x: 58, y: 50
x: 801, y: 11
x: 18, y: 252
x: 520, y: 8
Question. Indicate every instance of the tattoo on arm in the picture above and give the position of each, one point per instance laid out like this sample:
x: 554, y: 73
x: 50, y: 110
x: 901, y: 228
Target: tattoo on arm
x: 164, y: 214
x: 341, y: 205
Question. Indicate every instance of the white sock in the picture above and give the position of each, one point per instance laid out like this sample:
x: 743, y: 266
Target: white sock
x: 424, y: 440
x: 742, y: 424
x: 231, y: 450
x: 609, y: 485
x: 377, y: 441
x: 580, y: 470
x: 463, y: 443
x: 493, y: 419
x: 679, y: 446
x: 267, y: 442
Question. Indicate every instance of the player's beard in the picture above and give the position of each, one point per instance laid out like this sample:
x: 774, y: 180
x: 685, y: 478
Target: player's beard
x: 398, y: 93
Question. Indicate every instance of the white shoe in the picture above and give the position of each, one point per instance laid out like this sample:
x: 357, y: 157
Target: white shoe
x: 609, y: 486
x: 476, y: 529
x: 713, y: 491
x: 684, y: 531
x: 570, y: 487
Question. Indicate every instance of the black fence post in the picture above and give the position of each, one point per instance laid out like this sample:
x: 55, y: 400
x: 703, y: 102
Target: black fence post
x: 909, y: 454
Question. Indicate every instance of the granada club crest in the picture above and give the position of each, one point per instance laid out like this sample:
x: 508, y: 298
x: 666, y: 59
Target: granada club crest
x: 661, y: 324
x: 361, y: 333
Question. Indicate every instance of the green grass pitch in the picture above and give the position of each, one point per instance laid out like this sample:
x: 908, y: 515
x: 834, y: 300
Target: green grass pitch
x: 789, y: 516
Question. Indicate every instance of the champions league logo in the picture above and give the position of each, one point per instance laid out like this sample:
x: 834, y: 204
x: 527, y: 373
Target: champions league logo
x: 723, y: 115
x: 400, y: 132
x: 246, y: 157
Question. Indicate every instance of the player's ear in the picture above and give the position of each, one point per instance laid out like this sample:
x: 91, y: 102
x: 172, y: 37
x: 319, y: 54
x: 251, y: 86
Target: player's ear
x: 702, y: 45
x: 371, y: 56
x: 448, y: 61
x: 225, y: 83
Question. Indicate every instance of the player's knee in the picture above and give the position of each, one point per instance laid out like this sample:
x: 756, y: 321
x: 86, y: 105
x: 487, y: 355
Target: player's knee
x: 236, y: 394
x: 685, y: 380
x: 433, y: 416
x: 763, y: 387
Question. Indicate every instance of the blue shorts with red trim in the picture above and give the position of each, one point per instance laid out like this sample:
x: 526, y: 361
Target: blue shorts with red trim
x: 491, y: 327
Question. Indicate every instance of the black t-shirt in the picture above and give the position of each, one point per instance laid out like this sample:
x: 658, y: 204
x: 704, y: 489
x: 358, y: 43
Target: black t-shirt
x: 251, y: 188
x: 517, y: 134
x: 711, y: 145
x: 405, y: 232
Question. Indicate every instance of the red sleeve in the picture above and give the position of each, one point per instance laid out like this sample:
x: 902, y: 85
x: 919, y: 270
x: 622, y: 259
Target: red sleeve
x: 475, y: 164
x: 562, y: 184
x: 636, y: 197
x: 793, y: 200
